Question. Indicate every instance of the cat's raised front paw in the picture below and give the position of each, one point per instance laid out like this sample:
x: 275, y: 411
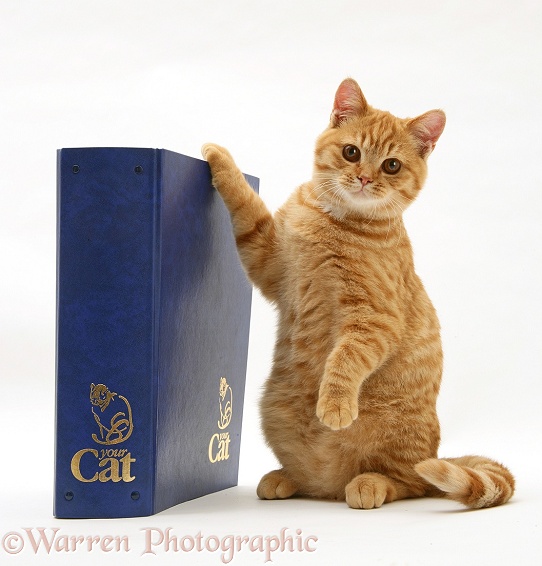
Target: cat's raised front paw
x: 212, y: 151
x: 275, y: 485
x: 207, y: 149
x: 336, y: 412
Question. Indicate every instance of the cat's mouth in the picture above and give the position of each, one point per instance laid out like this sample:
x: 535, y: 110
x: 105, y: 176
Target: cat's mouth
x: 360, y: 191
x: 366, y: 199
x: 360, y: 194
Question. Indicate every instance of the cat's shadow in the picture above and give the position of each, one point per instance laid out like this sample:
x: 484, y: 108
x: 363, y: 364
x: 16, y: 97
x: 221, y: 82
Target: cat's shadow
x: 468, y: 510
x: 243, y: 499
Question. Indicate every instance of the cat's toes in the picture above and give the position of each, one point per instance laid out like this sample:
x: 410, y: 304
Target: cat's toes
x: 336, y: 413
x: 275, y: 485
x: 366, y: 491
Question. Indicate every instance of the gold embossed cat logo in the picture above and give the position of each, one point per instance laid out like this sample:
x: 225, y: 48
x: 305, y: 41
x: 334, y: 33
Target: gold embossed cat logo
x: 119, y: 426
x: 219, y: 445
x: 225, y: 402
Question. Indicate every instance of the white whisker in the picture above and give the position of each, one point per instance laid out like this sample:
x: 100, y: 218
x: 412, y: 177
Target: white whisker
x: 389, y: 220
x: 332, y: 188
x: 396, y: 205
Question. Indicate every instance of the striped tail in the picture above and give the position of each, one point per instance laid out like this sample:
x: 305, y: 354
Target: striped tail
x: 474, y: 481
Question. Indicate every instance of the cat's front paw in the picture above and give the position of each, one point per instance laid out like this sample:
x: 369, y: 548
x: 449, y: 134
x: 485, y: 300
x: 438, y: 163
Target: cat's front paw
x: 275, y: 485
x: 212, y: 152
x: 367, y: 491
x: 336, y: 412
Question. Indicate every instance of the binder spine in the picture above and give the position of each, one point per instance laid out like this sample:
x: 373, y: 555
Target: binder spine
x: 106, y: 347
x: 156, y: 311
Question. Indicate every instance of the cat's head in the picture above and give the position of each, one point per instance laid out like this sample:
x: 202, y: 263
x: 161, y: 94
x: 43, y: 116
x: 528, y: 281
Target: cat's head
x: 369, y: 162
x: 101, y: 396
x: 223, y: 387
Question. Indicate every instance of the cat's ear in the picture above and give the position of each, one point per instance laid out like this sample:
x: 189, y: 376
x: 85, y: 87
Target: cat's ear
x: 427, y: 129
x: 349, y: 101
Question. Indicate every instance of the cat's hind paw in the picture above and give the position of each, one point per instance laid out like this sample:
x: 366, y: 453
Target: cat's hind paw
x: 336, y: 413
x: 275, y: 485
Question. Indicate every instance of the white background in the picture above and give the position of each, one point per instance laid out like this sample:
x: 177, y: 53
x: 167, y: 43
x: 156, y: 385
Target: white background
x: 259, y: 78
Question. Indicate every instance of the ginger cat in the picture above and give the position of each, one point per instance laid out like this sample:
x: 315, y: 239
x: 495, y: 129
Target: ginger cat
x: 349, y: 407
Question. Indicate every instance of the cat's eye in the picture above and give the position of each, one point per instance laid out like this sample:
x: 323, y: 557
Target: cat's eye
x: 351, y: 153
x: 391, y: 166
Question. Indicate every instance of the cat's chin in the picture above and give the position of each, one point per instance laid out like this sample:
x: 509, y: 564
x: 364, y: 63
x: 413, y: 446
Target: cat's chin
x: 369, y: 209
x: 363, y: 207
x: 360, y: 202
x: 343, y: 198
x: 360, y: 197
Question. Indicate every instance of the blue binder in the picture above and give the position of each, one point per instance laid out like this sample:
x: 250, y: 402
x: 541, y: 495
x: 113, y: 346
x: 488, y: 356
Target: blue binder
x: 153, y: 312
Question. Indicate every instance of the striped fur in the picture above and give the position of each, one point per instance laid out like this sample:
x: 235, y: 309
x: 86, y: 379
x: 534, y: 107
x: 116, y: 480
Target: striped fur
x: 349, y: 408
x: 474, y: 481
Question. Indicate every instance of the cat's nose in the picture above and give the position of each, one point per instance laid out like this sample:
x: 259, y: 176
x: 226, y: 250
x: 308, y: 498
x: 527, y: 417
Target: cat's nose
x: 364, y: 180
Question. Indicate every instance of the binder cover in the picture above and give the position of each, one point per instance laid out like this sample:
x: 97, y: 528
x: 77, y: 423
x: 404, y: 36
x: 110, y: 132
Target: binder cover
x: 153, y: 312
